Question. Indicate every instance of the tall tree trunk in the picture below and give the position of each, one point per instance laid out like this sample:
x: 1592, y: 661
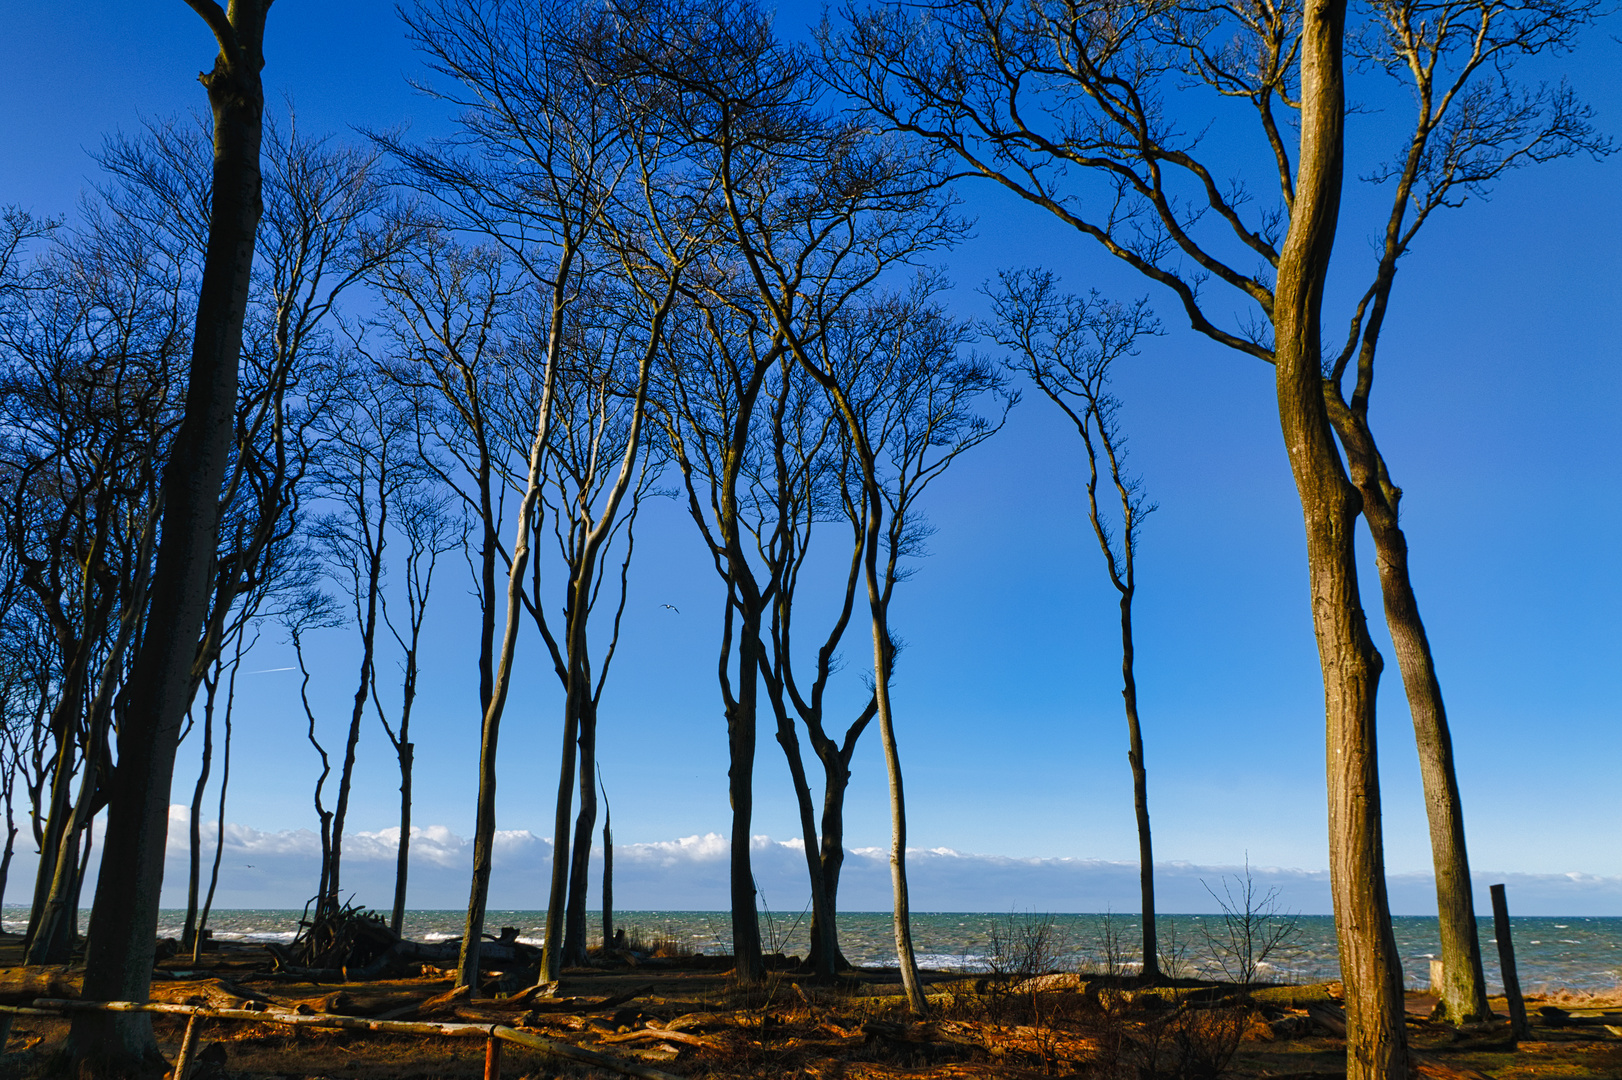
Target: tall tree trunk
x: 608, y: 874
x: 118, y: 965
x: 194, y: 875
x: 1140, y: 792
x: 368, y: 642
x: 1376, y: 1044
x: 219, y: 830
x: 64, y: 717
x: 748, y: 964
x: 1463, y: 993
x: 557, y: 895
x: 882, y: 653
x: 402, y: 863
x: 574, y: 923
x: 823, y: 954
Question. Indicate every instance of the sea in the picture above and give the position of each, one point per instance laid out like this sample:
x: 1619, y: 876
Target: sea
x: 1574, y: 953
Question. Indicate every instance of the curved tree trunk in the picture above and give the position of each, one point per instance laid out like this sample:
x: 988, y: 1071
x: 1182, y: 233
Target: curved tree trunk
x: 118, y: 965
x: 1463, y: 993
x: 898, y: 820
x: 1376, y: 1041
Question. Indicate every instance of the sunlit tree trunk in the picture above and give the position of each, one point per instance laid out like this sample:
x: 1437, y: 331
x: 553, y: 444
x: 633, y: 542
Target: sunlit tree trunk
x: 1376, y: 1041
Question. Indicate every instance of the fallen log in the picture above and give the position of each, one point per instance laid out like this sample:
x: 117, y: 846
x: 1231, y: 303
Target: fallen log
x: 557, y: 1047
x: 27, y: 983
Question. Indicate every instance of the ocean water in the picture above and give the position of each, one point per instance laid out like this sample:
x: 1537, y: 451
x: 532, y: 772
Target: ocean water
x: 1575, y: 953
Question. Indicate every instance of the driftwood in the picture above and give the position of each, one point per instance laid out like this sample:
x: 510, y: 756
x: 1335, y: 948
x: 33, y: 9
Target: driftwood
x: 27, y: 983
x: 53, y: 1007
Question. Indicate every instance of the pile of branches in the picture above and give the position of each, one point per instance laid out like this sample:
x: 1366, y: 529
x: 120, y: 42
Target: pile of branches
x: 343, y: 937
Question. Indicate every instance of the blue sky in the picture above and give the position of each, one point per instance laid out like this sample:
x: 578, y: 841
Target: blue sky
x: 1496, y: 407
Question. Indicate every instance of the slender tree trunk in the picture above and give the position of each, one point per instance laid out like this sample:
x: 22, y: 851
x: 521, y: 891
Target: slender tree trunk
x: 1370, y: 969
x: 194, y: 876
x: 1463, y: 993
x: 581, y: 847
x: 402, y: 863
x: 10, y: 784
x: 608, y: 875
x: 346, y: 775
x: 824, y: 949
x: 748, y: 964
x: 898, y: 818
x: 219, y: 830
x: 1140, y: 793
x: 63, y: 725
x: 119, y: 959
x: 557, y: 895
x: 574, y: 923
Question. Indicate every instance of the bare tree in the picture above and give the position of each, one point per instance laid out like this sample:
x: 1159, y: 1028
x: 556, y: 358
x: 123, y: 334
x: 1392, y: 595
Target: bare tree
x: 829, y: 209
x: 431, y: 529
x: 550, y: 150
x: 902, y: 439
x: 1067, y: 345
x: 118, y: 963
x: 367, y: 468
x: 1066, y: 105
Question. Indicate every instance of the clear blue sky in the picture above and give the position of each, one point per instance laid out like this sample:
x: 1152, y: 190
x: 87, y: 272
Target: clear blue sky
x: 1496, y: 405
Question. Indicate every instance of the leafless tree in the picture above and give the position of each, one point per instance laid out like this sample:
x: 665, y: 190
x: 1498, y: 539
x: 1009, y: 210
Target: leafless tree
x: 550, y: 150
x: 827, y: 209
x: 431, y: 529
x: 1067, y: 344
x: 1067, y: 105
x: 118, y: 963
x: 903, y: 437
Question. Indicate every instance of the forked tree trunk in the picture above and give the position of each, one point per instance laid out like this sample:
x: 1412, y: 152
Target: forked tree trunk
x: 557, y: 895
x: 585, y: 823
x: 1376, y: 1043
x: 1463, y: 993
x: 118, y: 965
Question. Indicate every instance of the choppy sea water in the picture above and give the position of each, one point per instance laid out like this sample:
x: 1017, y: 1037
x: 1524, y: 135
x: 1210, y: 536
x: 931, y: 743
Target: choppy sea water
x: 1577, y: 953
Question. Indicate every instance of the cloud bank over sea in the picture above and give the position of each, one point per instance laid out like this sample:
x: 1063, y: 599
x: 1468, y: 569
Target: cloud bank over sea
x: 278, y: 869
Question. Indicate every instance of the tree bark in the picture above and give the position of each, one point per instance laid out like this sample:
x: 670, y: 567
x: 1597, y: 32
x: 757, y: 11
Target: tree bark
x: 1140, y: 793
x: 1463, y: 993
x: 574, y: 923
x: 118, y: 964
x: 1376, y: 1044
x: 402, y: 864
x: 748, y: 964
x: 898, y: 818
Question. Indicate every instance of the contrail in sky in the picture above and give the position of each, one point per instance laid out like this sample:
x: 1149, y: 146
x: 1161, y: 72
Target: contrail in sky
x: 267, y: 671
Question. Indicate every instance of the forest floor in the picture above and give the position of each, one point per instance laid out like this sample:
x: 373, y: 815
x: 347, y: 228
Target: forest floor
x: 687, y: 1017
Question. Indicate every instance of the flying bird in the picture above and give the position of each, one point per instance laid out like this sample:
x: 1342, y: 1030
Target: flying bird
x: 672, y: 607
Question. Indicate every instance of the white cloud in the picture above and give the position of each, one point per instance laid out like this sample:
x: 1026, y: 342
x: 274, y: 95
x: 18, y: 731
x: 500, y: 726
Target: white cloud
x: 279, y: 869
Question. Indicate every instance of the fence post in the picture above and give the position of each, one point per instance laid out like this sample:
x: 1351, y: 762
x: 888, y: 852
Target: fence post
x: 492, y: 1059
x: 1506, y: 963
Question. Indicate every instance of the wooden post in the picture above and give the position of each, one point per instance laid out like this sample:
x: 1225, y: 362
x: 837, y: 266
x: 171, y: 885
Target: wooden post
x: 1436, y: 976
x: 492, y: 1059
x: 5, y: 1030
x: 1506, y: 962
x: 187, y: 1041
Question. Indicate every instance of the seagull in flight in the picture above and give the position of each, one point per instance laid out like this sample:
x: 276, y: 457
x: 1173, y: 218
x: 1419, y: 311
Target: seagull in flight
x: 672, y: 607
